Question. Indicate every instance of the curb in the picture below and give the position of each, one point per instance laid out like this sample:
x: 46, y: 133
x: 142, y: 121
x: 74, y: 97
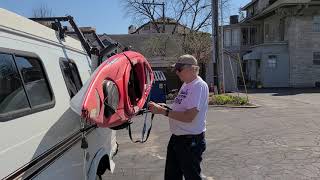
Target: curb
x: 232, y: 106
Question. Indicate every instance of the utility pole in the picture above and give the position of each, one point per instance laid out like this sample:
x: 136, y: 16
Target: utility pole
x: 215, y: 42
x: 163, y: 17
x: 164, y: 21
x: 222, y: 49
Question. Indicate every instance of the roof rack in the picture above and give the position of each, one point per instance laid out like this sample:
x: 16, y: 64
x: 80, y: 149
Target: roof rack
x: 56, y: 25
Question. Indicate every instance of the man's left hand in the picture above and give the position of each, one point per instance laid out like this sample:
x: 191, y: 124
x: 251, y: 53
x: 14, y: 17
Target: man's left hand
x: 155, y: 108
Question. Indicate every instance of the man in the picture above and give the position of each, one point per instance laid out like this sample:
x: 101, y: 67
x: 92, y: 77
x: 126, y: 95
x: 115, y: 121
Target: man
x: 187, y: 121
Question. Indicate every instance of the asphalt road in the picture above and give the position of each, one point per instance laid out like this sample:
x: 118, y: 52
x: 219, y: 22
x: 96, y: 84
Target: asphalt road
x: 279, y: 140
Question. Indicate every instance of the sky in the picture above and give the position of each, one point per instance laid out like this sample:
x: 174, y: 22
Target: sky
x: 107, y: 16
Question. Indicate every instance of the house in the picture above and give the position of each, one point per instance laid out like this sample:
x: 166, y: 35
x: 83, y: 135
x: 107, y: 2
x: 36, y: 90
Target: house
x: 160, y: 25
x: 280, y: 43
x: 162, y: 62
x: 231, y: 50
x: 228, y: 66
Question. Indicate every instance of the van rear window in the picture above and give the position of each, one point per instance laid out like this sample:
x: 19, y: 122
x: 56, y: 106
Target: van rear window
x: 71, y: 76
x: 23, y: 85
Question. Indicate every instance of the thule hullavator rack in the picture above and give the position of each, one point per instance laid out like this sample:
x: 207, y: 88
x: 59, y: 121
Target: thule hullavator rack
x: 62, y: 30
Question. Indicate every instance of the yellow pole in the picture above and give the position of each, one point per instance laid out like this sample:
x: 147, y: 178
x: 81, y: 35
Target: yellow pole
x: 244, y: 82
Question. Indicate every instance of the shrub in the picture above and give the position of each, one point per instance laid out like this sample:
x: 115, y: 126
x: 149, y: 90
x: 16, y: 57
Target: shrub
x: 224, y: 99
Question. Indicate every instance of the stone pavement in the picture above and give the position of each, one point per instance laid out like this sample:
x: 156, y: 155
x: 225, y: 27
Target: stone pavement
x: 278, y: 141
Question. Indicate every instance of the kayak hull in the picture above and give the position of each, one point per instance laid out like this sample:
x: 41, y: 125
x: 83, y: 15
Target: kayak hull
x: 117, y: 90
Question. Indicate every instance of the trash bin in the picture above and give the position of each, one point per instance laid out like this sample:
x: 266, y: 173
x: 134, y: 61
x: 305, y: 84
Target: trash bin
x: 159, y: 88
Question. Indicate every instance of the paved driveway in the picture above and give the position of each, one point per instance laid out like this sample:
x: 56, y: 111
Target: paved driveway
x: 279, y: 140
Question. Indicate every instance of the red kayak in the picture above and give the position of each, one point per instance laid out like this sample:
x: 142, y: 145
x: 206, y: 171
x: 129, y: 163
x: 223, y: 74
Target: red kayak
x: 116, y: 91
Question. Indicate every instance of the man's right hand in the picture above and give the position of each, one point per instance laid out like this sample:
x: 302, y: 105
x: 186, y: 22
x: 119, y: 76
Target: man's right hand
x: 162, y: 104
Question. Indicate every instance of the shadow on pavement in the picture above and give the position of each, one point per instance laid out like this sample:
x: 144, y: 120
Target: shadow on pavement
x: 283, y: 91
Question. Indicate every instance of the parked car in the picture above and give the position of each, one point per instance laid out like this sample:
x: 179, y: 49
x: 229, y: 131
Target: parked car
x: 41, y: 137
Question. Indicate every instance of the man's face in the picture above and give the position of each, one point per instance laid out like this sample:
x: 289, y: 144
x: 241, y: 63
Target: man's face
x: 182, y: 71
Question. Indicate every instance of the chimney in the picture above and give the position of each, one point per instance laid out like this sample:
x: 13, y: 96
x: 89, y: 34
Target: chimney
x: 234, y: 19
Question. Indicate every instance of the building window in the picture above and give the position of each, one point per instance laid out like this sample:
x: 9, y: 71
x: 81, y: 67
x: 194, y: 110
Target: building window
x: 71, y: 76
x: 316, y: 23
x: 250, y: 12
x: 282, y: 29
x: 235, y: 37
x: 253, y: 35
x: 272, y: 61
x: 227, y: 38
x: 266, y: 31
x: 24, y: 86
x: 245, y: 36
x: 316, y: 58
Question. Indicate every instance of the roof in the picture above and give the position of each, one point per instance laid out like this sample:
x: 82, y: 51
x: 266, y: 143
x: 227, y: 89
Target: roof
x: 159, y: 76
x: 23, y: 26
x: 167, y: 20
x: 249, y: 4
x: 282, y: 3
x: 159, y: 21
x: 140, y: 42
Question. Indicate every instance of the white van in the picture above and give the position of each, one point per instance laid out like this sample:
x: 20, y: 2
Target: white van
x: 40, y: 135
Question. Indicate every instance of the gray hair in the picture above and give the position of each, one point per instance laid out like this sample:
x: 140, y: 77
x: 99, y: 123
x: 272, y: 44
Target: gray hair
x: 195, y: 68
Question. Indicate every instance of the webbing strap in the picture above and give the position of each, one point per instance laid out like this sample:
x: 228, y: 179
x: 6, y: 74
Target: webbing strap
x: 148, y: 133
x: 149, y: 130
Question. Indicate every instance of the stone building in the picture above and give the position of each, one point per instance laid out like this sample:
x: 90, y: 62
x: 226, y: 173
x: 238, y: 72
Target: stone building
x: 280, y: 43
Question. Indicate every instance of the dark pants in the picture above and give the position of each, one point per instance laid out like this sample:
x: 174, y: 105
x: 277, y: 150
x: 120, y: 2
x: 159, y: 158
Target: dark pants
x: 184, y: 155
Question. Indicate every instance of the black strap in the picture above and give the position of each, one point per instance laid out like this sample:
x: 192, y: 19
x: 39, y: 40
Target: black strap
x: 148, y: 133
x: 149, y: 130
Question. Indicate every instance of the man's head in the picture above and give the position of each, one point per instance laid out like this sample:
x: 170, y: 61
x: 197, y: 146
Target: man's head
x: 186, y: 68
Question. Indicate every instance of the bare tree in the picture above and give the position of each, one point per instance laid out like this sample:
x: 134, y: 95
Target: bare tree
x: 42, y: 11
x: 194, y: 14
x: 198, y: 44
x: 142, y: 12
